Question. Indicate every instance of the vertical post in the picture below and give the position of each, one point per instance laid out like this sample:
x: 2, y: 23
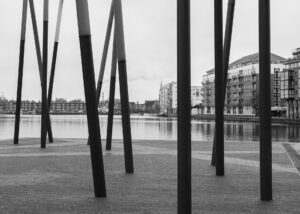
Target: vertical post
x: 54, y: 55
x: 39, y: 60
x: 90, y: 97
x: 104, y: 53
x: 44, y: 75
x: 123, y: 87
x: 219, y: 86
x: 265, y: 101
x: 111, y: 95
x: 184, y: 107
x: 226, y: 56
x: 20, y: 74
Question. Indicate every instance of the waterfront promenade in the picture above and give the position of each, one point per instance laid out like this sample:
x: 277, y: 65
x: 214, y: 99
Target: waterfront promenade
x: 59, y: 179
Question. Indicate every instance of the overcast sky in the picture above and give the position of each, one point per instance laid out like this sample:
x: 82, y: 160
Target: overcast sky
x: 150, y: 36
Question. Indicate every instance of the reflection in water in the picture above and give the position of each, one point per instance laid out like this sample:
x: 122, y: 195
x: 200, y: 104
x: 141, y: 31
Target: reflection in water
x: 144, y: 127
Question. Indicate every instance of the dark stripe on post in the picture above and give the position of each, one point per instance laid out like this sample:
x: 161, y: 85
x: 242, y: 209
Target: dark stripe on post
x: 44, y: 87
x: 123, y: 87
x: 90, y: 97
x: 44, y: 76
x: 226, y: 56
x: 53, y: 64
x: 219, y: 86
x: 184, y: 107
x: 20, y: 73
x: 265, y: 101
x: 111, y: 97
x: 125, y: 116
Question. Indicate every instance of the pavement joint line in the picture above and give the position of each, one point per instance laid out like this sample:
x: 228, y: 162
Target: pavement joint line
x: 293, y: 156
x: 6, y: 147
x: 150, y: 150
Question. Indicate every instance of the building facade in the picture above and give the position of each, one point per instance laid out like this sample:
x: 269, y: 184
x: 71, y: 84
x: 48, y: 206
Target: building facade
x: 168, y: 97
x: 242, y: 89
x: 290, y: 85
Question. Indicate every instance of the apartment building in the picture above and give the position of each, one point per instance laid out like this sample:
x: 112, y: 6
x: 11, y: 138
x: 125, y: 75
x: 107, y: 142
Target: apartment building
x: 168, y: 97
x: 242, y: 89
x: 290, y: 85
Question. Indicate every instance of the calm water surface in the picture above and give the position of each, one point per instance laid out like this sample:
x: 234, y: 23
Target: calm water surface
x: 143, y: 127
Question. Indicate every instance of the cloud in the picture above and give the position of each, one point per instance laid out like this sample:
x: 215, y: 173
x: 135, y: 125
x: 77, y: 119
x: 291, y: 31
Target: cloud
x: 150, y: 35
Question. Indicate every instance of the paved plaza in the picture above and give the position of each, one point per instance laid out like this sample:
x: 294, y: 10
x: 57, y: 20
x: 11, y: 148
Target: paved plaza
x: 59, y: 179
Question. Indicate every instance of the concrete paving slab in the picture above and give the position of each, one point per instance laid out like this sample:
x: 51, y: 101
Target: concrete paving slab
x: 59, y: 179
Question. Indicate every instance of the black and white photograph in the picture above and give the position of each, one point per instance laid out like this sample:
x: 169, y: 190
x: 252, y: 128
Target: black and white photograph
x: 149, y: 106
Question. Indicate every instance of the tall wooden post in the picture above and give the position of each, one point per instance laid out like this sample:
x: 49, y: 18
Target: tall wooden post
x: 39, y: 60
x: 123, y: 87
x: 104, y: 54
x: 105, y: 50
x: 20, y: 74
x: 219, y: 82
x: 184, y: 108
x: 265, y: 101
x: 44, y: 76
x: 111, y: 95
x: 226, y: 56
x: 54, y: 55
x: 90, y: 97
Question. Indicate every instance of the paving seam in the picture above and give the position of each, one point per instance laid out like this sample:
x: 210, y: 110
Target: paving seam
x: 293, y: 156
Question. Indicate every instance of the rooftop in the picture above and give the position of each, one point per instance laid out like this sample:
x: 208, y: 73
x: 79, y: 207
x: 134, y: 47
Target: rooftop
x: 251, y: 59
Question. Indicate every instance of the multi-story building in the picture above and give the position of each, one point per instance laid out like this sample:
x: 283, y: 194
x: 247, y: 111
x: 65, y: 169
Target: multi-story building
x: 290, y: 85
x: 73, y: 106
x: 168, y: 97
x: 196, y: 96
x: 242, y: 89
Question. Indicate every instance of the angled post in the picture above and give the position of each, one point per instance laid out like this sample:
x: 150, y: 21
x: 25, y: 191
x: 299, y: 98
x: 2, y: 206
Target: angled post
x: 90, y: 97
x: 44, y: 76
x: 184, y: 195
x: 219, y: 86
x: 123, y: 87
x: 20, y: 73
x: 226, y: 56
x: 104, y: 54
x: 39, y: 60
x: 111, y: 95
x: 55, y: 48
x: 105, y: 50
x: 265, y: 101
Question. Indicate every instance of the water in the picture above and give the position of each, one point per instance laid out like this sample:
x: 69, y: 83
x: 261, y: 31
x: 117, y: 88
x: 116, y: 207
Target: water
x: 144, y: 127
